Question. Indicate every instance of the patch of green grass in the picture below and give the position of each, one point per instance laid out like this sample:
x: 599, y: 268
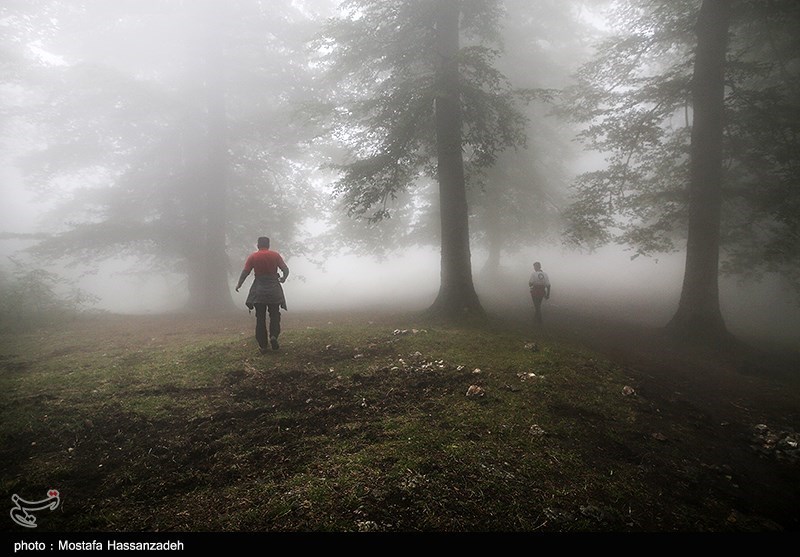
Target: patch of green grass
x: 347, y: 427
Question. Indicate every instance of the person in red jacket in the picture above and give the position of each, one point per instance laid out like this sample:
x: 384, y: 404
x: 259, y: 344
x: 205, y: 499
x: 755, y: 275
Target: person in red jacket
x: 266, y: 292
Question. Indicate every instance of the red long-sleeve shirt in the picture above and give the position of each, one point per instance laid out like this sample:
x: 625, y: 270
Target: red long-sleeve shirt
x: 265, y: 262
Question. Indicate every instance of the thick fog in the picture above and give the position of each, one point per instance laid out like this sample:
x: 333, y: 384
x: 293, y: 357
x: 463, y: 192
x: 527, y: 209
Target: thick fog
x: 75, y: 73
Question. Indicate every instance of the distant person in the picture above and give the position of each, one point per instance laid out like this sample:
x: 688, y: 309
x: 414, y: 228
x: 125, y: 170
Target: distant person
x: 266, y: 292
x: 539, y: 284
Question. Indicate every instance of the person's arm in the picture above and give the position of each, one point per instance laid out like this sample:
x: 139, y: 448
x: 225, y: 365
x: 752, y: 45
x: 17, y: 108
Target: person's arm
x: 547, y: 292
x: 283, y: 267
x: 242, y: 276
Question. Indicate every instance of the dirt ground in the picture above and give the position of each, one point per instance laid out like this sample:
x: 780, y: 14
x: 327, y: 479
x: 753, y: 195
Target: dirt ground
x: 741, y: 403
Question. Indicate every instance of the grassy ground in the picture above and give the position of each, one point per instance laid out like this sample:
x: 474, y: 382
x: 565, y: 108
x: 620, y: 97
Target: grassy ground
x: 179, y: 424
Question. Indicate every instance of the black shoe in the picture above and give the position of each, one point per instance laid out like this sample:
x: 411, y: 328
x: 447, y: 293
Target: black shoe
x: 274, y: 342
x: 263, y: 349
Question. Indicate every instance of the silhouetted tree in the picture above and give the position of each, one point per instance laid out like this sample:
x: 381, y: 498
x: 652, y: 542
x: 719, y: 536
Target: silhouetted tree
x: 517, y: 202
x: 411, y: 100
x: 698, y: 312
x: 170, y: 123
x: 680, y: 97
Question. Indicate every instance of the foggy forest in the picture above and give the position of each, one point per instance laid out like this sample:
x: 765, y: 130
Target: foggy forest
x: 409, y: 162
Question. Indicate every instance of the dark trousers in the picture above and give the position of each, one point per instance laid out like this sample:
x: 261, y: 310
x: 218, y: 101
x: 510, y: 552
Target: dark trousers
x: 261, y: 322
x: 537, y: 305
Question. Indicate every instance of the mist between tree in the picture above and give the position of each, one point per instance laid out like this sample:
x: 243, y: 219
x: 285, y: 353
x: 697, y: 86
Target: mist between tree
x: 601, y: 285
x: 166, y: 136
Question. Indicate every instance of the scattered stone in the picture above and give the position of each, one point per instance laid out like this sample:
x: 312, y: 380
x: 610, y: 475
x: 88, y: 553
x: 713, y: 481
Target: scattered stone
x: 782, y: 445
x: 628, y: 390
x: 417, y: 362
x: 367, y: 526
x: 475, y: 390
x: 358, y: 356
x: 658, y: 436
x: 476, y: 370
x: 461, y: 368
x: 532, y: 346
x: 536, y: 430
x: 398, y: 332
x: 413, y: 481
x: 249, y: 368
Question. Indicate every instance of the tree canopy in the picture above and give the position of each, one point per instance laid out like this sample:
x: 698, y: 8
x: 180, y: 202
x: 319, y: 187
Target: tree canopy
x: 165, y: 155
x: 410, y: 92
x: 634, y: 100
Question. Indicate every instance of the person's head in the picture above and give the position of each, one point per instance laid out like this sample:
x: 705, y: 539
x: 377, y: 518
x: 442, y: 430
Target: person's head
x: 537, y: 266
x: 263, y: 242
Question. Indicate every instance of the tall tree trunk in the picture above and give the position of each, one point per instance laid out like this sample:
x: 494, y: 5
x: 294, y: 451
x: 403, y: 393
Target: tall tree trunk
x: 457, y: 296
x: 213, y: 284
x: 698, y: 316
x: 495, y: 244
x: 493, y: 238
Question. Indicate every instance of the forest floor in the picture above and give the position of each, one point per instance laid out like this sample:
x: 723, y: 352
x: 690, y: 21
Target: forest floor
x: 734, y: 411
x: 388, y: 423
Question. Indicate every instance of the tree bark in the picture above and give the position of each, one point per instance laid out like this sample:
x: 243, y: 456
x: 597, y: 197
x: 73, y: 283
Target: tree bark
x: 457, y: 297
x: 212, y: 286
x: 493, y: 235
x: 698, y: 316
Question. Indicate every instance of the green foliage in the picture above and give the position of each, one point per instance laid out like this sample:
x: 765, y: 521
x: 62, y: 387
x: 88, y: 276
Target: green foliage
x: 381, y: 56
x: 763, y: 131
x: 634, y: 100
x: 33, y: 297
